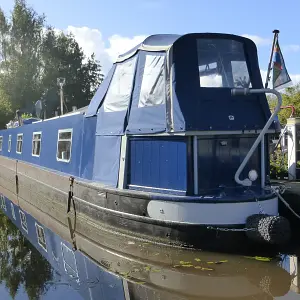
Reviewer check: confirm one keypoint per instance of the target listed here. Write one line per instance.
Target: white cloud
(259, 41)
(119, 44)
(91, 41)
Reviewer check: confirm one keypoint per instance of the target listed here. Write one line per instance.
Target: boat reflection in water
(118, 268)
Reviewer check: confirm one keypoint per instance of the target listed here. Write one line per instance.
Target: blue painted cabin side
(82, 151)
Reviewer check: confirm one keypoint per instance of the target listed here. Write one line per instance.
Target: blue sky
(108, 27)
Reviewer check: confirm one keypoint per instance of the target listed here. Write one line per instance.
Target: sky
(110, 27)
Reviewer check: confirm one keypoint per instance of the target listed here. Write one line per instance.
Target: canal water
(36, 263)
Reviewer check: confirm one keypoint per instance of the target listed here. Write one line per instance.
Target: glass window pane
(37, 136)
(36, 147)
(65, 135)
(222, 63)
(64, 150)
(153, 83)
(119, 92)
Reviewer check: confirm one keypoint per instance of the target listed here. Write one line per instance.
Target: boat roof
(187, 77)
(155, 42)
(163, 42)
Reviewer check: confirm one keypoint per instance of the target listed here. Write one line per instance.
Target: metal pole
(263, 162)
(195, 152)
(276, 32)
(61, 82)
(235, 92)
(61, 100)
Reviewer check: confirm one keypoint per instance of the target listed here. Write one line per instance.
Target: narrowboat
(173, 149)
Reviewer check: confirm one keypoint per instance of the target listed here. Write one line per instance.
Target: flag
(280, 73)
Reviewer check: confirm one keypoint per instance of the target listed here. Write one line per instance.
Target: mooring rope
(287, 205)
(277, 192)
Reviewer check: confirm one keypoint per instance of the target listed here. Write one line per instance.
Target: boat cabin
(163, 120)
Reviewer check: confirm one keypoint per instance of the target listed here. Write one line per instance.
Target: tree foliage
(21, 263)
(33, 55)
(291, 96)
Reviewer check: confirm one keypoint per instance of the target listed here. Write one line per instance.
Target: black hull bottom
(121, 212)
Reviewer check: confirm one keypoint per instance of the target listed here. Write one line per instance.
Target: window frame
(40, 140)
(13, 213)
(242, 50)
(1, 142)
(9, 143)
(63, 245)
(38, 237)
(58, 140)
(19, 134)
(3, 202)
(25, 228)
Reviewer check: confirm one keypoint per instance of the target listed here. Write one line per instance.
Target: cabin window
(153, 82)
(64, 145)
(13, 211)
(119, 91)
(1, 142)
(69, 260)
(23, 221)
(36, 143)
(222, 63)
(3, 203)
(19, 143)
(9, 143)
(40, 233)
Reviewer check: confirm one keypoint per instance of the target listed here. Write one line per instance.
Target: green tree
(6, 111)
(32, 57)
(291, 96)
(21, 263)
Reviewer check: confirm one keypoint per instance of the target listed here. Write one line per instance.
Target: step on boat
(172, 148)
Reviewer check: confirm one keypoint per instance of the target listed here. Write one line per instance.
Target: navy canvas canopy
(173, 83)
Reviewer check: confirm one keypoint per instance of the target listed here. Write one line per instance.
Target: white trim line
(37, 235)
(201, 133)
(65, 263)
(154, 188)
(123, 163)
(20, 213)
(209, 213)
(263, 162)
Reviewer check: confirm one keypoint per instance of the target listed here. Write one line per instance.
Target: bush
(278, 165)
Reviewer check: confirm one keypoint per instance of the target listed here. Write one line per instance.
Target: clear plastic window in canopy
(222, 63)
(119, 92)
(153, 82)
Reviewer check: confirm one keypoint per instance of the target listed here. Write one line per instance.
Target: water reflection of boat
(115, 269)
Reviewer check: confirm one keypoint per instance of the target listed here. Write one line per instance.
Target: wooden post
(276, 32)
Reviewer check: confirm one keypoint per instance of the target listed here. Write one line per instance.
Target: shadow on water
(128, 269)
